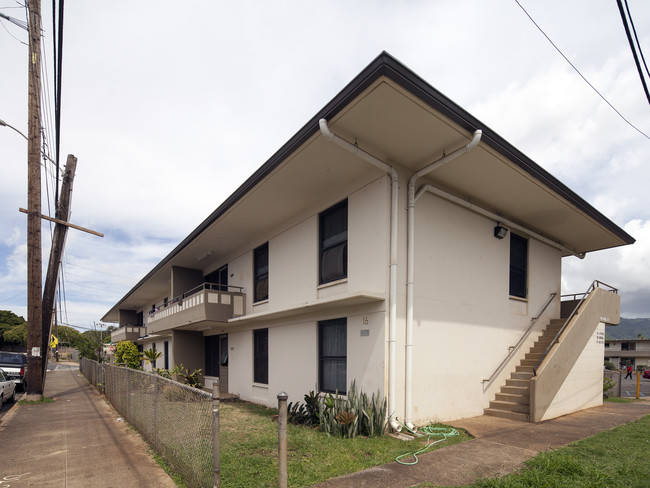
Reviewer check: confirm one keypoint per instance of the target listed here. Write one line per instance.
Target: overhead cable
(581, 75)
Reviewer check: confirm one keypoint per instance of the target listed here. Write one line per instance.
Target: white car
(7, 388)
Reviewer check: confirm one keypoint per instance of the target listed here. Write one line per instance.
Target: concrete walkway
(75, 441)
(500, 446)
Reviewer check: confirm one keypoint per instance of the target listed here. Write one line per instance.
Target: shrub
(127, 353)
(608, 384)
(348, 417)
(609, 366)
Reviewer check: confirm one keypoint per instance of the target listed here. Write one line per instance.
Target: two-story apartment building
(635, 352)
(395, 241)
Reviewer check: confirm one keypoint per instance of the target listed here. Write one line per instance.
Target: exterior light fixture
(203, 256)
(499, 231)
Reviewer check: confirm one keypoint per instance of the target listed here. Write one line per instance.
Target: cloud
(625, 268)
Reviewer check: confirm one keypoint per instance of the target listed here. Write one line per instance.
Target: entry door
(216, 359)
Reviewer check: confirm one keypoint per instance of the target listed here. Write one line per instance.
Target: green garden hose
(429, 432)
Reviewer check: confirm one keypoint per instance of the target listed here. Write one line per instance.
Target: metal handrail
(512, 349)
(595, 284)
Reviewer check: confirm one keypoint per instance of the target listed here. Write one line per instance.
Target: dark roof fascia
(388, 66)
(416, 85)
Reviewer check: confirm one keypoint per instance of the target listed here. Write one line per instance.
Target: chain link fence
(175, 419)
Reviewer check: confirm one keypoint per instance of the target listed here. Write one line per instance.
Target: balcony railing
(207, 302)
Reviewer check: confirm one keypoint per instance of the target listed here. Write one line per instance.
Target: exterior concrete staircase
(513, 401)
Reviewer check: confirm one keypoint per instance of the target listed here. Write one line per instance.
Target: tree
(9, 321)
(127, 353)
(16, 335)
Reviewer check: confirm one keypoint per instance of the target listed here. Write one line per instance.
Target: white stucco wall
(464, 317)
(293, 356)
(583, 387)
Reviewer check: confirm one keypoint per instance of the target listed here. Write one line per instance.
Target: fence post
(282, 439)
(620, 381)
(155, 412)
(128, 399)
(216, 448)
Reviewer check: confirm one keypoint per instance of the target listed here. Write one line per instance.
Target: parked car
(15, 366)
(7, 388)
(646, 374)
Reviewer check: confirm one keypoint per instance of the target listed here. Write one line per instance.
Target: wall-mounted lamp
(499, 231)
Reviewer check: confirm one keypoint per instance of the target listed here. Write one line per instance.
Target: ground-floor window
(333, 355)
(166, 354)
(261, 356)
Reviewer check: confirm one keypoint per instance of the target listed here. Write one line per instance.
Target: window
(332, 355)
(166, 354)
(261, 356)
(333, 243)
(261, 272)
(518, 266)
(153, 348)
(139, 319)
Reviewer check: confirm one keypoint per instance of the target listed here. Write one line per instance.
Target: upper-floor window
(518, 266)
(333, 243)
(261, 272)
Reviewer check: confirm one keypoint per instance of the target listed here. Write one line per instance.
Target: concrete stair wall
(513, 400)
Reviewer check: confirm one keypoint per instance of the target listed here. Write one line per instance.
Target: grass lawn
(249, 447)
(616, 458)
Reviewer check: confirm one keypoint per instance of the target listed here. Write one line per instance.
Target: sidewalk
(75, 441)
(500, 446)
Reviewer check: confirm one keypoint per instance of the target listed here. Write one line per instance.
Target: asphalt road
(628, 387)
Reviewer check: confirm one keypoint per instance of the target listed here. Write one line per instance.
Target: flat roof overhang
(396, 116)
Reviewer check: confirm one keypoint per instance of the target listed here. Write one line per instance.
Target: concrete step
(533, 355)
(522, 417)
(521, 390)
(512, 398)
(558, 322)
(521, 375)
(525, 369)
(529, 362)
(510, 406)
(537, 350)
(517, 383)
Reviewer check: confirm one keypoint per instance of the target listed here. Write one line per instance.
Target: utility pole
(34, 263)
(56, 251)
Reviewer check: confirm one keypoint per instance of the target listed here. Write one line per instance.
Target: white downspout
(392, 293)
(410, 260)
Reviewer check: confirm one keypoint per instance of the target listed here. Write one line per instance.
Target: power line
(632, 46)
(581, 75)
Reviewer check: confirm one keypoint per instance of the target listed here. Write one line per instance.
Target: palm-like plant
(150, 355)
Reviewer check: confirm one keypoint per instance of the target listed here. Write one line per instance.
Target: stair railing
(512, 349)
(595, 284)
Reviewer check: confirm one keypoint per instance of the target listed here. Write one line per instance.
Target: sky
(170, 106)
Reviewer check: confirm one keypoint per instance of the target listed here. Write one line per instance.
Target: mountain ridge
(629, 329)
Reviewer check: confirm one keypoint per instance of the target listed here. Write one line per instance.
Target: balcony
(198, 309)
(127, 333)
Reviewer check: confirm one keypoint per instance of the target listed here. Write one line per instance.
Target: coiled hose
(429, 432)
